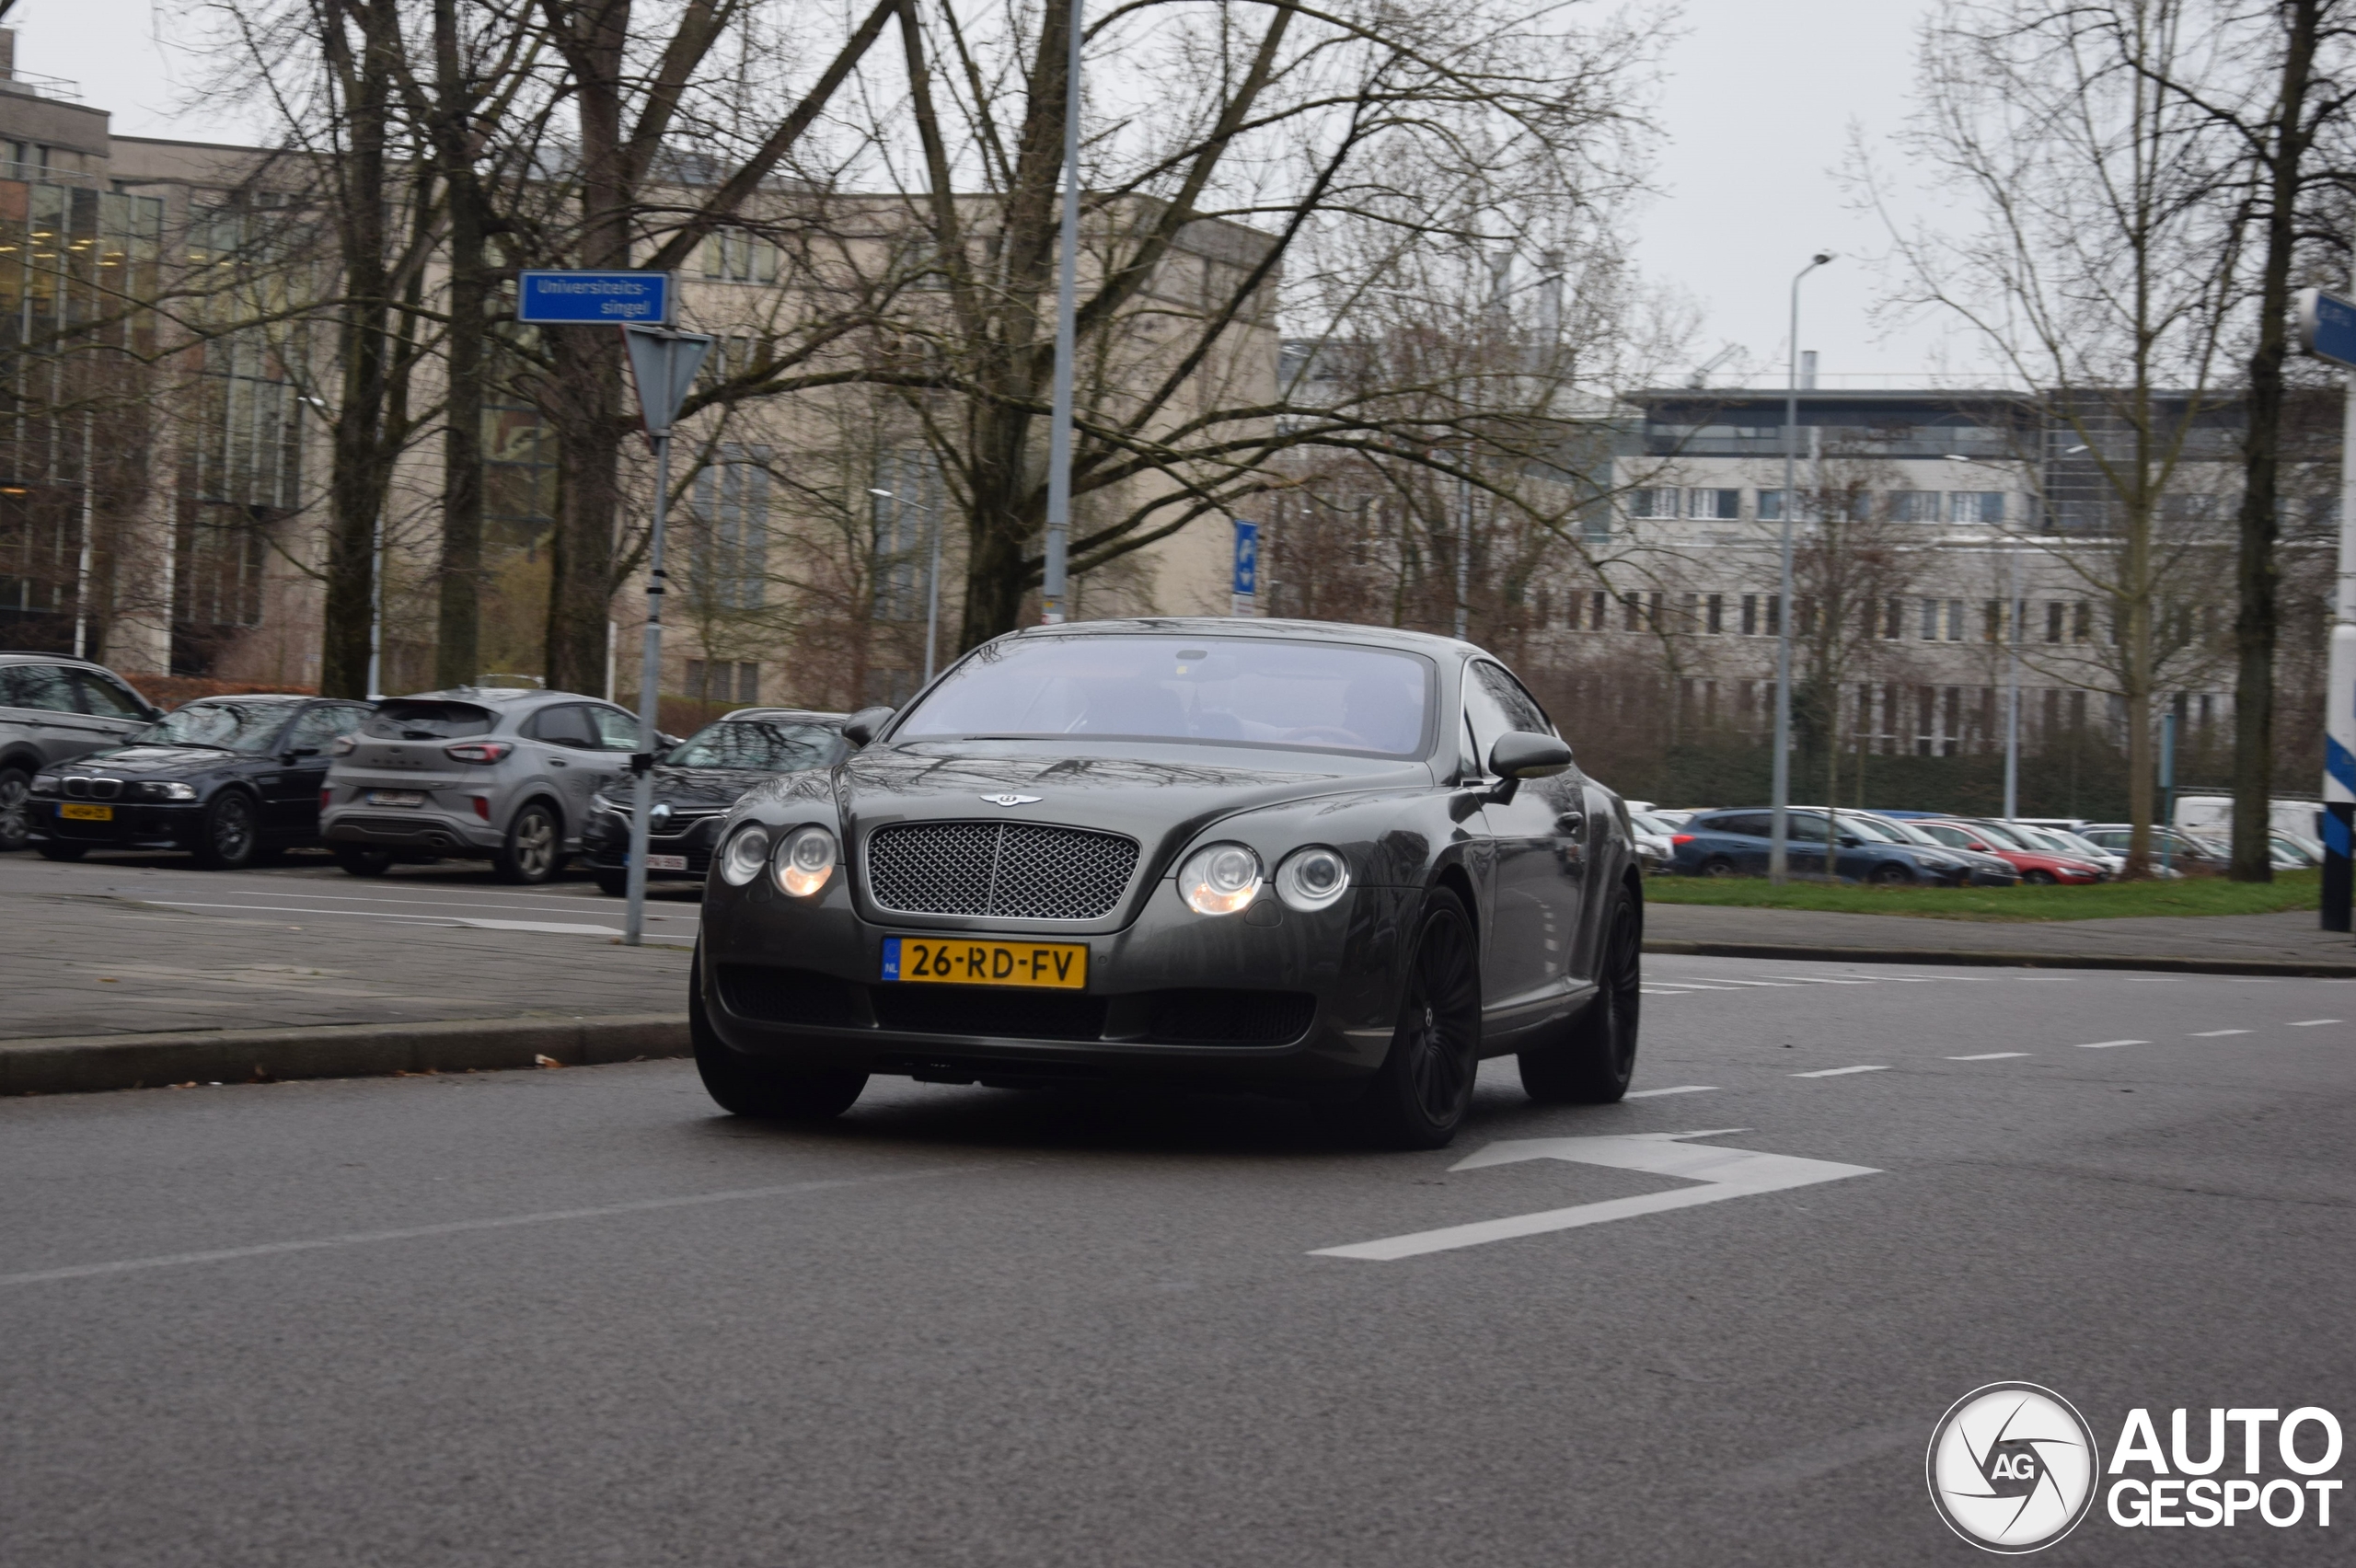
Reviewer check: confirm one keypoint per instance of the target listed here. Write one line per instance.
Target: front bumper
(1271, 998)
(136, 824)
(605, 844)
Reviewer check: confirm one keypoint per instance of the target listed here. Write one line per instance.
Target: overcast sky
(1757, 105)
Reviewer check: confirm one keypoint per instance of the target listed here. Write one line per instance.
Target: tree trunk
(458, 659)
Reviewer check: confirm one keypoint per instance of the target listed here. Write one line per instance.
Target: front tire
(16, 828)
(1592, 1059)
(229, 833)
(1717, 866)
(1890, 876)
(2041, 878)
(1420, 1093)
(534, 848)
(745, 1086)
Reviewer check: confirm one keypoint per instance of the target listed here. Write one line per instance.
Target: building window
(904, 521)
(1975, 506)
(1717, 613)
(2053, 610)
(1893, 619)
(1955, 620)
(1751, 615)
(736, 257)
(729, 558)
(1914, 506)
(2082, 621)
(1714, 503)
(1930, 620)
(519, 468)
(1596, 611)
(1653, 502)
(1771, 506)
(721, 680)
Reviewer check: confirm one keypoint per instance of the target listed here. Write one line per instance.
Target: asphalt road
(576, 1318)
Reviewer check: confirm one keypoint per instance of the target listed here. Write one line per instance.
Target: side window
(106, 699)
(40, 687)
(617, 731)
(565, 725)
(1752, 823)
(320, 725)
(1805, 829)
(1486, 717)
(1515, 700)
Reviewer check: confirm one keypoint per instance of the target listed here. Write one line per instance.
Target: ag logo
(2013, 1468)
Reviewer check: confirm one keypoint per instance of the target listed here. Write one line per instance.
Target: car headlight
(1219, 879)
(169, 792)
(746, 854)
(44, 784)
(1313, 879)
(805, 861)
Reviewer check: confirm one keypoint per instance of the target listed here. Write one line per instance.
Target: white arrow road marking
(1723, 1172)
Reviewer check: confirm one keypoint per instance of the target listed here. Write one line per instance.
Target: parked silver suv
(52, 710)
(474, 773)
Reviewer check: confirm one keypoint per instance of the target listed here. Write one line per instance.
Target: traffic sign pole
(663, 364)
(2327, 330)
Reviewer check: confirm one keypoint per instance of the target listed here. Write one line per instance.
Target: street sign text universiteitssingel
(601, 299)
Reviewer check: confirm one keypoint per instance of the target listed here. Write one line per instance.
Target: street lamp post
(1052, 587)
(1779, 844)
(931, 588)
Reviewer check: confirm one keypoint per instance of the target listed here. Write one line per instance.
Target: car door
(617, 740)
(566, 738)
(108, 707)
(38, 702)
(1539, 838)
(293, 792)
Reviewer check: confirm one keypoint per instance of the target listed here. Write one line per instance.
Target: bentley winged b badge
(1012, 800)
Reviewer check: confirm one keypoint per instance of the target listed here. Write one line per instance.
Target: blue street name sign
(606, 299)
(1247, 558)
(2328, 326)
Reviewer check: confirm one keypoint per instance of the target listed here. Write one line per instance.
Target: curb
(2276, 968)
(77, 1066)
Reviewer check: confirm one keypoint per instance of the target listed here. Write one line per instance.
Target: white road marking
(1681, 1089)
(2214, 1034)
(1661, 991)
(2106, 1044)
(2310, 1023)
(559, 928)
(1989, 1056)
(1820, 980)
(1725, 1172)
(1696, 985)
(1723, 980)
(457, 1226)
(1836, 1072)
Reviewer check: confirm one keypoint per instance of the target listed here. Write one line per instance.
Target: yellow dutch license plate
(81, 812)
(966, 961)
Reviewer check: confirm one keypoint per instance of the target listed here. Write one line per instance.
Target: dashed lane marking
(2216, 1034)
(1681, 1089)
(2106, 1044)
(1836, 1072)
(1989, 1056)
(2310, 1023)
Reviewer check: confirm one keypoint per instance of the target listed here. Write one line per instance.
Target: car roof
(837, 720)
(509, 695)
(1302, 630)
(34, 656)
(266, 697)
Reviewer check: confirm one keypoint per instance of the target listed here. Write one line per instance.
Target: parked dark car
(1980, 869)
(1326, 861)
(696, 783)
(228, 779)
(1737, 842)
(52, 710)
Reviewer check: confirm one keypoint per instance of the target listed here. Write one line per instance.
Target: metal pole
(1779, 842)
(2013, 689)
(1053, 591)
(376, 605)
(2339, 713)
(82, 569)
(650, 685)
(2168, 783)
(1463, 552)
(932, 598)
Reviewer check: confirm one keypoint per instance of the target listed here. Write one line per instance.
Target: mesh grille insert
(1013, 870)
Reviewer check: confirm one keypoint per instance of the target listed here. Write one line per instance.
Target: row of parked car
(524, 779)
(1900, 847)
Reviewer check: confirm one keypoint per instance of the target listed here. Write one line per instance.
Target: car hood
(1161, 796)
(155, 762)
(698, 789)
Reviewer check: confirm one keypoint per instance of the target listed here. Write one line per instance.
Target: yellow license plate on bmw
(80, 813)
(969, 962)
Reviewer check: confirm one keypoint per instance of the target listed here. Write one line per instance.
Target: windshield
(2077, 845)
(232, 726)
(1905, 832)
(2002, 837)
(771, 745)
(1243, 690)
(1868, 829)
(428, 722)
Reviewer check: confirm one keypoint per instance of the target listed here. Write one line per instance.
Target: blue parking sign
(1247, 558)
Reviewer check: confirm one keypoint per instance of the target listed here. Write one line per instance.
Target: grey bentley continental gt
(1339, 862)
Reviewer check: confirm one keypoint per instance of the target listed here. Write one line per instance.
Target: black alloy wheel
(1717, 866)
(747, 1086)
(16, 828)
(1419, 1095)
(229, 832)
(1889, 873)
(1592, 1059)
(535, 847)
(363, 863)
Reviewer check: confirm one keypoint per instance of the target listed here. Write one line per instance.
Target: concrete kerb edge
(2288, 969)
(87, 1064)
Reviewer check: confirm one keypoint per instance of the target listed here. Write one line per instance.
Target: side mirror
(1521, 754)
(1850, 841)
(668, 742)
(861, 726)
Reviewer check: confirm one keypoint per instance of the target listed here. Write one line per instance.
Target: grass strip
(2102, 901)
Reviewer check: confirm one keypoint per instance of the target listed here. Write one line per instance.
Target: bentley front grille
(1008, 870)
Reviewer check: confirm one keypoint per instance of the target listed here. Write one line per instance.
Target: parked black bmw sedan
(1327, 860)
(229, 778)
(696, 783)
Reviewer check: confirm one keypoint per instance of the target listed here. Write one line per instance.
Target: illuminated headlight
(805, 861)
(1313, 879)
(44, 784)
(1219, 879)
(169, 792)
(745, 854)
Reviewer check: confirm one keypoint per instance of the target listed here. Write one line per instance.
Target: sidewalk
(2230, 942)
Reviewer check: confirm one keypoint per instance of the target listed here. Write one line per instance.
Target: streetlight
(932, 587)
(1051, 585)
(2012, 661)
(1779, 844)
